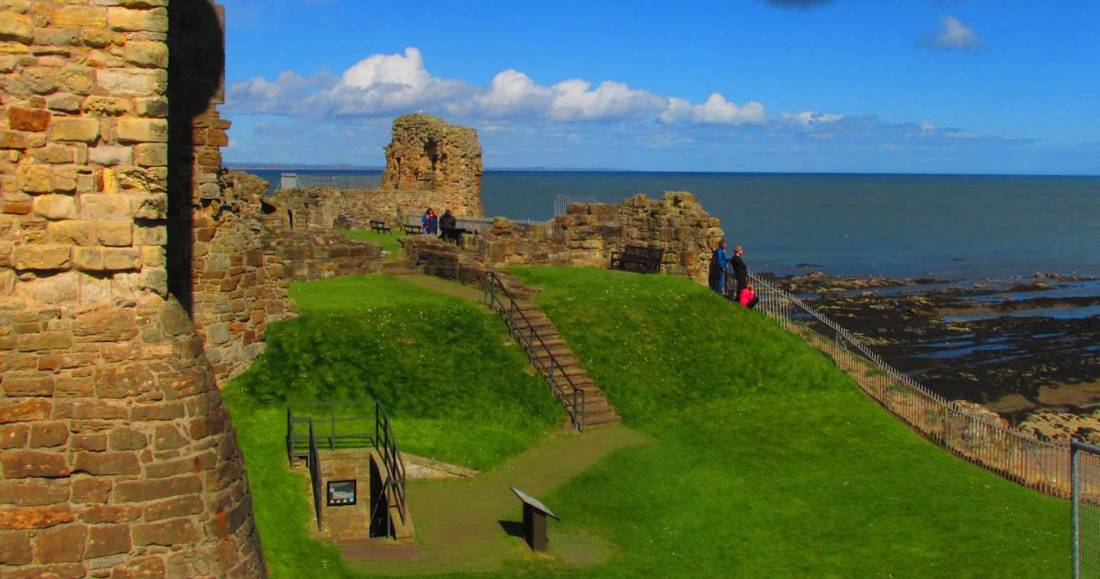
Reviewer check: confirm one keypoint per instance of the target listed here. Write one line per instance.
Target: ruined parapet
(237, 289)
(118, 457)
(589, 232)
(428, 154)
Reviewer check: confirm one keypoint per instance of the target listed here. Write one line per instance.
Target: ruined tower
(429, 154)
(117, 455)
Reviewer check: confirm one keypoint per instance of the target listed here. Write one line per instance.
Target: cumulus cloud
(716, 110)
(954, 35)
(385, 84)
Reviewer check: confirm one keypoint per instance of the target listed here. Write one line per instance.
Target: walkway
(465, 525)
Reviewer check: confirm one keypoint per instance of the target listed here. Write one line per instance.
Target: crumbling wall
(589, 233)
(429, 154)
(237, 287)
(117, 455)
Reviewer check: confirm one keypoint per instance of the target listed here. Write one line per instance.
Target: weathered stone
(107, 463)
(173, 508)
(123, 381)
(15, 547)
(34, 517)
(13, 436)
(147, 54)
(23, 410)
(91, 490)
(63, 544)
(106, 106)
(151, 155)
(28, 463)
(77, 79)
(166, 533)
(35, 178)
(167, 437)
(130, 82)
(34, 385)
(109, 156)
(121, 259)
(105, 206)
(111, 540)
(34, 492)
(74, 129)
(80, 17)
(36, 120)
(55, 206)
(65, 103)
(102, 513)
(143, 130)
(49, 434)
(127, 439)
(151, 107)
(17, 27)
(127, 20)
(148, 490)
(42, 257)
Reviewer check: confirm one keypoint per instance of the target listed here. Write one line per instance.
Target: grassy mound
(388, 241)
(456, 388)
(767, 461)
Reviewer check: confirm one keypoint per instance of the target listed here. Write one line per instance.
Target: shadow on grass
(512, 528)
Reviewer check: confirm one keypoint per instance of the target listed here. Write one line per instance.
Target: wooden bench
(638, 259)
(379, 226)
(410, 229)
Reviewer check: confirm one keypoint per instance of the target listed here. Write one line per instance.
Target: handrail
(576, 404)
(391, 457)
(1016, 455)
(315, 473)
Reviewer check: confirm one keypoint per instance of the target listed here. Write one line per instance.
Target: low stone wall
(327, 208)
(323, 255)
(586, 236)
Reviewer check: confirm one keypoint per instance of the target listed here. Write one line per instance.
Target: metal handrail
(315, 473)
(1014, 454)
(546, 367)
(391, 457)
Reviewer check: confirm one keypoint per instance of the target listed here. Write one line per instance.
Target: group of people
(446, 226)
(729, 276)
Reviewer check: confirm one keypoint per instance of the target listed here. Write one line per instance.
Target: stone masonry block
(34, 178)
(35, 120)
(143, 130)
(151, 155)
(109, 156)
(88, 258)
(17, 27)
(42, 257)
(105, 206)
(73, 232)
(129, 82)
(147, 54)
(114, 233)
(80, 17)
(129, 20)
(118, 259)
(55, 206)
(74, 129)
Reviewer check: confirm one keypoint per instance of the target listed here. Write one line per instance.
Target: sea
(958, 227)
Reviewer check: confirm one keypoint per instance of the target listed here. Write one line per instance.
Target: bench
(410, 229)
(638, 259)
(379, 226)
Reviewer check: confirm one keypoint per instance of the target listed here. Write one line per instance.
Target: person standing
(433, 222)
(718, 263)
(740, 270)
(447, 225)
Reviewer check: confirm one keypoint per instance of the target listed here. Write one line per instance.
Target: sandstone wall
(117, 455)
(429, 154)
(589, 233)
(238, 287)
(323, 208)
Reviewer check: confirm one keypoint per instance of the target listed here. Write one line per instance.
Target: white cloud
(716, 110)
(954, 35)
(388, 83)
(511, 93)
(573, 100)
(811, 118)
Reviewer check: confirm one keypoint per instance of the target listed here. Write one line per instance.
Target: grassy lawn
(766, 461)
(762, 459)
(388, 241)
(456, 388)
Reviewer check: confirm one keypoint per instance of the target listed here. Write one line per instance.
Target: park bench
(638, 259)
(410, 229)
(379, 226)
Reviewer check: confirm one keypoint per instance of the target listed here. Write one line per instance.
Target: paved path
(459, 522)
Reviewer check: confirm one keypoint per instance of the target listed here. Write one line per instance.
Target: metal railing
(562, 202)
(1085, 510)
(499, 299)
(391, 461)
(1038, 464)
(333, 180)
(315, 473)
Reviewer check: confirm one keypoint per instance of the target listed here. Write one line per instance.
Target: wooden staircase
(550, 354)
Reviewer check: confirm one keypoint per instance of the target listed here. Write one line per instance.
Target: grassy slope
(766, 460)
(457, 389)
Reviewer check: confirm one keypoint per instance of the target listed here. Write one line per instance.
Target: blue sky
(759, 85)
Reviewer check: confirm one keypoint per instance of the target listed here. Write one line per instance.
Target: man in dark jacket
(447, 225)
(718, 262)
(740, 270)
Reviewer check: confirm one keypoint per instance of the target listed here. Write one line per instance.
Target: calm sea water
(959, 227)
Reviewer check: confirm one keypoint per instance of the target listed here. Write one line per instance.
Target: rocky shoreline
(1027, 349)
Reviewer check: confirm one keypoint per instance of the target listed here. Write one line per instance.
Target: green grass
(388, 241)
(456, 388)
(766, 461)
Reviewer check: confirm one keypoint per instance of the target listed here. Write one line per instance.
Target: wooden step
(601, 418)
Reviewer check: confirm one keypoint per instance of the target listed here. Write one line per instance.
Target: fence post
(1076, 516)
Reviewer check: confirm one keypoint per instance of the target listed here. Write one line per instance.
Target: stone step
(598, 418)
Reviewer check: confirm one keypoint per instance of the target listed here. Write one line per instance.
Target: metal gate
(1086, 509)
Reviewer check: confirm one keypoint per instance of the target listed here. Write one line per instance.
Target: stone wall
(117, 455)
(429, 154)
(589, 233)
(238, 285)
